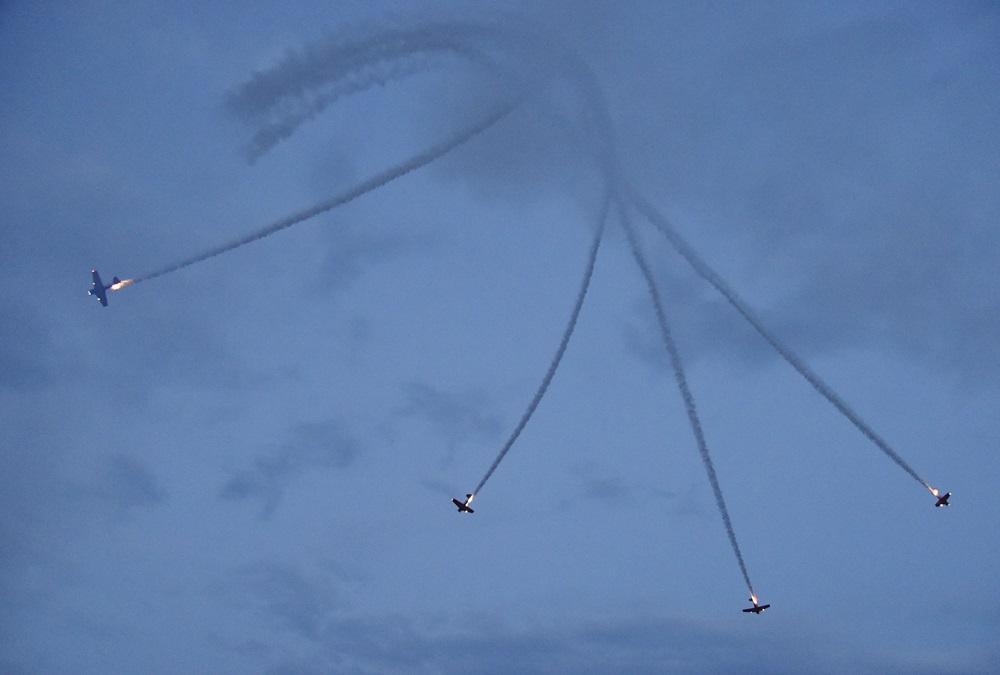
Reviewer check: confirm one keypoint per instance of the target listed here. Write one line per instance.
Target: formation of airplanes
(100, 291)
(463, 507)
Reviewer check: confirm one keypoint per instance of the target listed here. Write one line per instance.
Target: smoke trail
(373, 183)
(269, 134)
(563, 344)
(707, 273)
(337, 58)
(306, 81)
(294, 91)
(682, 384)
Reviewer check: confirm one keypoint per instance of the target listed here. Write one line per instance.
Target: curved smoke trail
(708, 274)
(308, 80)
(563, 344)
(304, 83)
(295, 114)
(373, 183)
(682, 384)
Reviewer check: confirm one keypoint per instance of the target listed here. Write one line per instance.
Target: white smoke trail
(363, 188)
(682, 384)
(563, 344)
(707, 273)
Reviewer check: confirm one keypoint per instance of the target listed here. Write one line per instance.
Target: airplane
(464, 506)
(756, 609)
(100, 290)
(943, 501)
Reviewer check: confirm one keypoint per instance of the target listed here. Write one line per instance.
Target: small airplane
(100, 291)
(464, 506)
(943, 500)
(756, 609)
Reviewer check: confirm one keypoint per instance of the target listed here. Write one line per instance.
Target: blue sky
(245, 465)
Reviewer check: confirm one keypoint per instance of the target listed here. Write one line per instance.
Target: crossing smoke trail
(305, 83)
(373, 183)
(682, 384)
(701, 267)
(563, 344)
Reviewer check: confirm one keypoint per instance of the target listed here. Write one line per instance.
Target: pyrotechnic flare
(121, 284)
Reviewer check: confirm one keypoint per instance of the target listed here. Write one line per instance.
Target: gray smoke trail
(269, 134)
(306, 81)
(563, 344)
(363, 53)
(707, 273)
(682, 384)
(373, 183)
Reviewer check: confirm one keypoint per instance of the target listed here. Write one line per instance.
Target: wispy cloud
(311, 446)
(455, 417)
(125, 483)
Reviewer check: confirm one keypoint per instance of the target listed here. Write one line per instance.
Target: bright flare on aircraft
(121, 284)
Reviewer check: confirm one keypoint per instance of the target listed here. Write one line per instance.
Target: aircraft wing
(461, 506)
(98, 290)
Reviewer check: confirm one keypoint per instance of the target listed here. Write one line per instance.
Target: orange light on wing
(121, 284)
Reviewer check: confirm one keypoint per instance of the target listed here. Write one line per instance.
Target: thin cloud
(125, 483)
(312, 446)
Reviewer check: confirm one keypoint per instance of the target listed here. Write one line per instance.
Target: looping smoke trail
(682, 384)
(351, 54)
(707, 273)
(373, 183)
(306, 108)
(306, 81)
(563, 344)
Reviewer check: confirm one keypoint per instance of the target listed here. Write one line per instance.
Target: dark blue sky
(245, 465)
